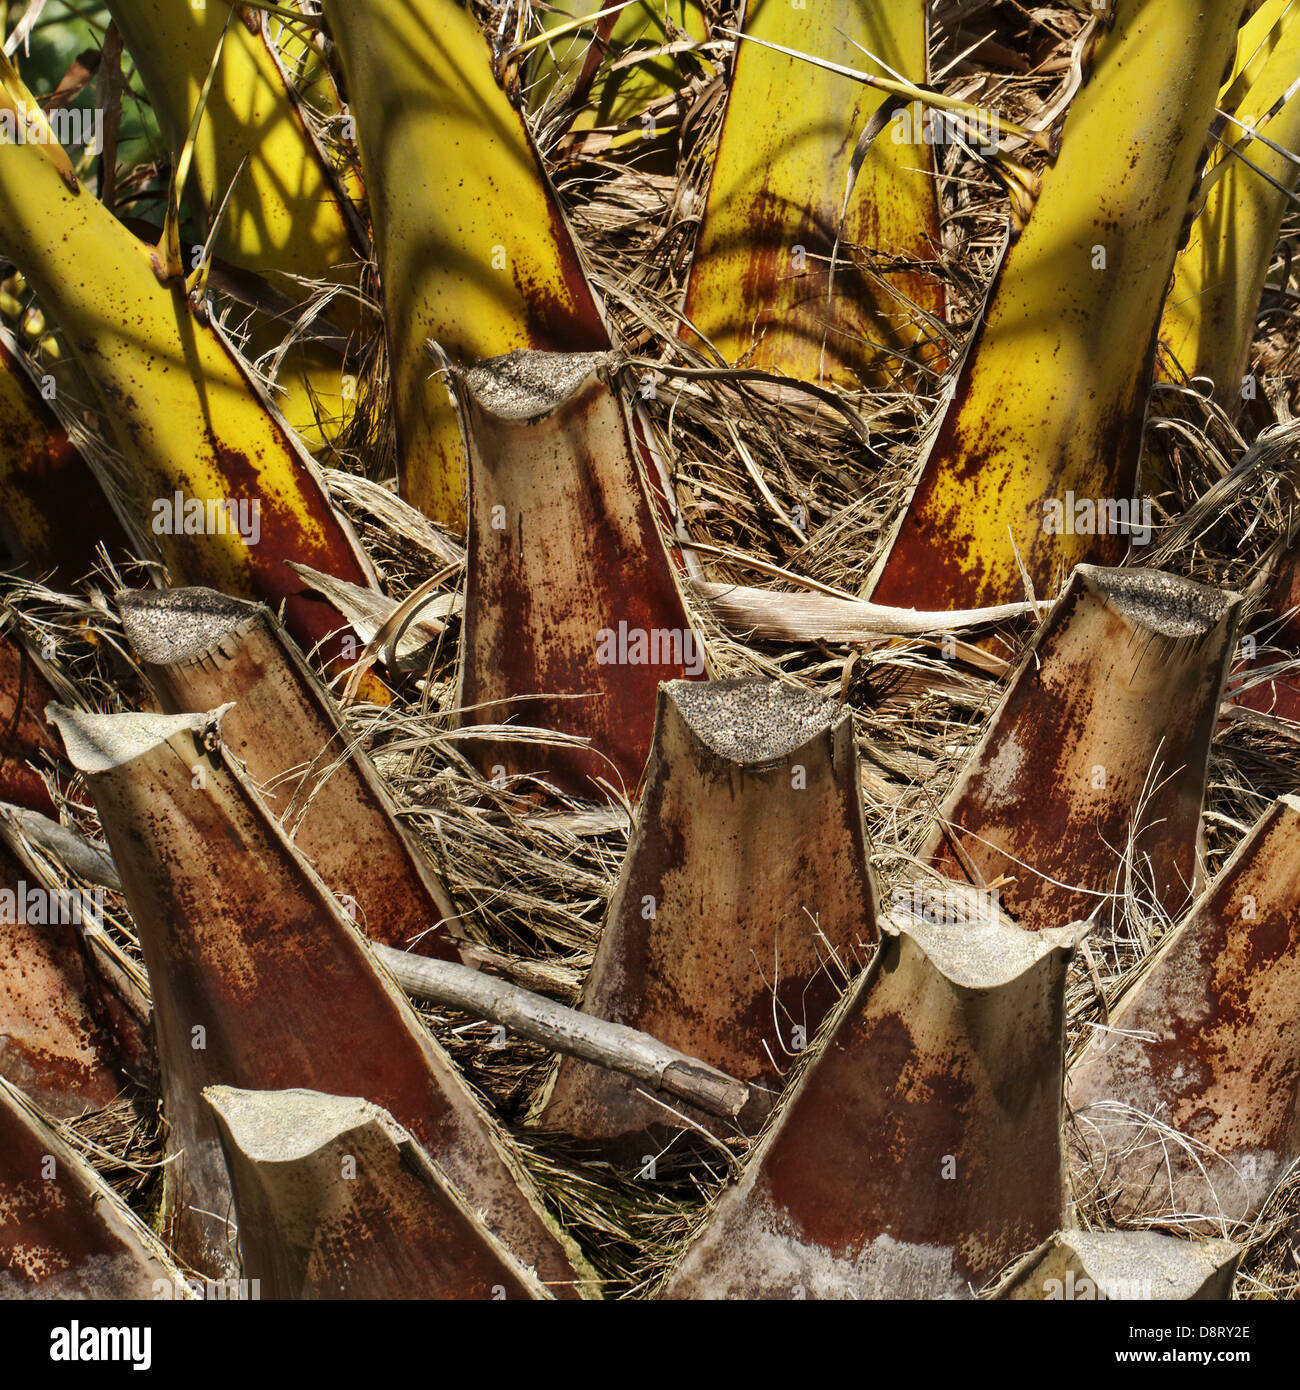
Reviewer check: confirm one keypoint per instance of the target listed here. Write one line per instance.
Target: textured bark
(201, 649)
(563, 557)
(64, 1234)
(260, 981)
(1130, 1265)
(921, 1150)
(1206, 1042)
(745, 902)
(1103, 735)
(335, 1200)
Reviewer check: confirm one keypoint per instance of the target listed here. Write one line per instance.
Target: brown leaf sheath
(1103, 734)
(745, 904)
(201, 650)
(921, 1150)
(260, 981)
(564, 556)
